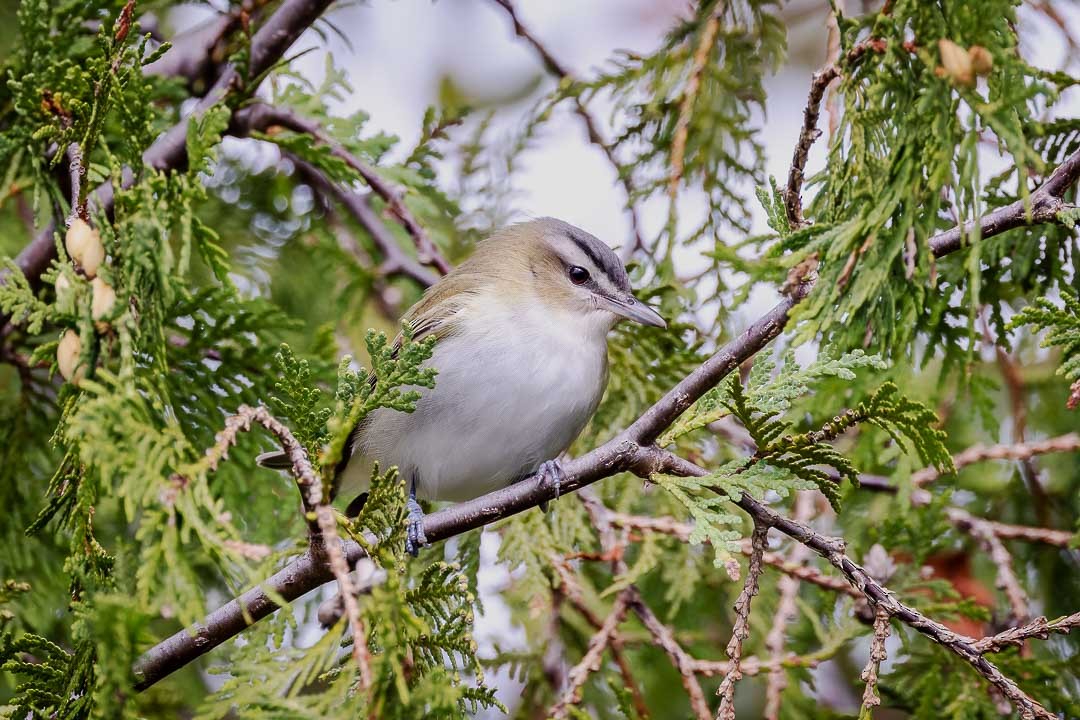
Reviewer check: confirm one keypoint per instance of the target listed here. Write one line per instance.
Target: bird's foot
(414, 533)
(552, 473)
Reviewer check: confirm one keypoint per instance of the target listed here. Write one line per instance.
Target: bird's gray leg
(551, 472)
(414, 534)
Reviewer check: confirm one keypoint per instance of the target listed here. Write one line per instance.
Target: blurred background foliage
(116, 533)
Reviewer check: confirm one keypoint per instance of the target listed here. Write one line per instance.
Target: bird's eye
(578, 275)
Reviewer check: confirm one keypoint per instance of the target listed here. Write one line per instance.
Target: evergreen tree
(899, 498)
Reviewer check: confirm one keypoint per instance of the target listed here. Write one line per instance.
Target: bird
(521, 363)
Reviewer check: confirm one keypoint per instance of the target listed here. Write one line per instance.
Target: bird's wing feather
(434, 315)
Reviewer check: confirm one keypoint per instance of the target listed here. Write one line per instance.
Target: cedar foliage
(235, 287)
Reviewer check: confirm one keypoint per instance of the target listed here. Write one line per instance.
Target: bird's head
(565, 270)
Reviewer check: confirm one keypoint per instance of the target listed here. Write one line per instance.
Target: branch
(601, 517)
(592, 127)
(590, 663)
(395, 260)
(810, 133)
(786, 611)
(1006, 575)
(741, 629)
(681, 530)
(1043, 206)
(1016, 451)
(1037, 628)
(682, 661)
(325, 544)
(265, 116)
(571, 590)
(76, 173)
(869, 675)
(322, 523)
(193, 52)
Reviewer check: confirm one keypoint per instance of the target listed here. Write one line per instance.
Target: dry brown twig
(1040, 627)
(689, 97)
(1007, 580)
(680, 659)
(571, 590)
(322, 523)
(592, 127)
(810, 133)
(266, 117)
(741, 629)
(590, 662)
(601, 517)
(1014, 451)
(878, 654)
(786, 611)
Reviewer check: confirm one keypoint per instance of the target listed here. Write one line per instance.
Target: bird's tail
(279, 460)
(275, 460)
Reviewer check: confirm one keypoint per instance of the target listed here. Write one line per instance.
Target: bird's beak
(632, 309)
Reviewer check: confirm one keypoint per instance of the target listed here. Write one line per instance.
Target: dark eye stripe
(589, 250)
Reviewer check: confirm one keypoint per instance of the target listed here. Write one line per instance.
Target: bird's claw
(551, 472)
(414, 533)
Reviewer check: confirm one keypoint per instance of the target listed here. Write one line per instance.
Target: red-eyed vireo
(521, 353)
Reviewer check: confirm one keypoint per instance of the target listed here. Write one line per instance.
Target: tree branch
(810, 133)
(869, 675)
(1015, 451)
(322, 523)
(1043, 206)
(264, 116)
(260, 117)
(741, 629)
(590, 663)
(592, 127)
(786, 611)
(1037, 628)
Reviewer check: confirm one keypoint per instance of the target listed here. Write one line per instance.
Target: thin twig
(1005, 531)
(266, 116)
(600, 515)
(810, 132)
(878, 655)
(1015, 451)
(592, 127)
(689, 96)
(590, 662)
(1007, 580)
(805, 573)
(1037, 628)
(571, 590)
(395, 261)
(322, 522)
(741, 628)
(307, 480)
(682, 661)
(786, 611)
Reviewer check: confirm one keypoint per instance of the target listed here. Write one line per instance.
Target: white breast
(504, 401)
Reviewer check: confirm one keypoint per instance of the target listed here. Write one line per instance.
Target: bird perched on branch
(521, 353)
